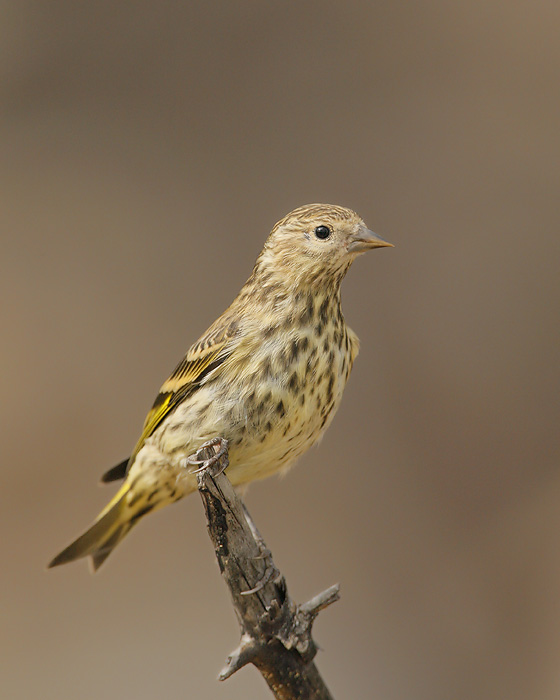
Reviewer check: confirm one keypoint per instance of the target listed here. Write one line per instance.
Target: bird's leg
(206, 457)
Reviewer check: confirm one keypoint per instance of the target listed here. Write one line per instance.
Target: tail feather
(103, 536)
(99, 556)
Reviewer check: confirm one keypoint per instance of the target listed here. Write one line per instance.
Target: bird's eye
(322, 232)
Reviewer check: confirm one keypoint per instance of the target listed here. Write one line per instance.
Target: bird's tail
(107, 531)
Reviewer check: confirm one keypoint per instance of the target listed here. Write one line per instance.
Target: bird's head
(317, 241)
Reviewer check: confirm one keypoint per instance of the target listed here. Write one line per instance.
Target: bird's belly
(269, 423)
(295, 421)
(256, 458)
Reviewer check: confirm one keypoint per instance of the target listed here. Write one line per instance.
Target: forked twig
(275, 632)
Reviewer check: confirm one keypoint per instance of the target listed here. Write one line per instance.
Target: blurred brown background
(144, 144)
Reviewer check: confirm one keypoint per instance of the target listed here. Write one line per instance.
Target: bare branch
(275, 632)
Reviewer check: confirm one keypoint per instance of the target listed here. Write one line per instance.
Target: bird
(268, 376)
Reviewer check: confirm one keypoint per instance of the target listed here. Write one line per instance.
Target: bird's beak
(364, 239)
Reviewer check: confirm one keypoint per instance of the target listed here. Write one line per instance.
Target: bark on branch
(275, 632)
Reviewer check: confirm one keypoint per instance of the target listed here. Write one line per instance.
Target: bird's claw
(216, 458)
(271, 572)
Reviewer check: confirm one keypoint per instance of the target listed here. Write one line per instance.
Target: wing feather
(203, 358)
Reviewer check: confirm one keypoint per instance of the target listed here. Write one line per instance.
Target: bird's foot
(271, 573)
(207, 457)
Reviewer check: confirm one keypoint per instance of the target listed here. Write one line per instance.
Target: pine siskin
(268, 375)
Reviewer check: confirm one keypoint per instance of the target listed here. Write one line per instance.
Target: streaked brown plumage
(268, 375)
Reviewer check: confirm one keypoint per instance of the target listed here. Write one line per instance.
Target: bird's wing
(203, 357)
